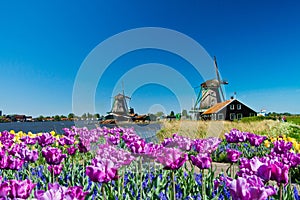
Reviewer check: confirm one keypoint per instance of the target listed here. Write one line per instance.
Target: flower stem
(141, 177)
(174, 186)
(103, 191)
(280, 191)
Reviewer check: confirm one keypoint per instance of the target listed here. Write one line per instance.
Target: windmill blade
(222, 93)
(217, 70)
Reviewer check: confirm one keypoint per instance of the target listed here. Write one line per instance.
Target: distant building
(228, 110)
(0, 113)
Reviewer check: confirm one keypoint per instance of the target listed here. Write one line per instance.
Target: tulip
(71, 150)
(233, 155)
(54, 192)
(45, 139)
(235, 136)
(55, 169)
(255, 140)
(202, 161)
(281, 147)
(53, 156)
(4, 189)
(171, 158)
(103, 172)
(75, 192)
(20, 189)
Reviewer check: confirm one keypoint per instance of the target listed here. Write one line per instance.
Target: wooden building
(228, 110)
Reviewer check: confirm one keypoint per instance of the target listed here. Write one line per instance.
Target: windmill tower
(120, 105)
(210, 93)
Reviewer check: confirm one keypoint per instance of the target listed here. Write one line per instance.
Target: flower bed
(118, 164)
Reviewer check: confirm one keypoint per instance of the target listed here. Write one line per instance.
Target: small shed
(228, 110)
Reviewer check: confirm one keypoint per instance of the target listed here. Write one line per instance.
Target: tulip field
(117, 163)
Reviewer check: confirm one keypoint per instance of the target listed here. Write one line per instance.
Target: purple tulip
(103, 172)
(233, 155)
(55, 169)
(281, 147)
(202, 161)
(119, 157)
(4, 189)
(20, 189)
(45, 139)
(29, 140)
(171, 158)
(31, 156)
(14, 163)
(235, 136)
(207, 145)
(75, 192)
(255, 140)
(66, 141)
(265, 172)
(53, 156)
(84, 145)
(71, 150)
(279, 172)
(113, 139)
(54, 192)
(137, 147)
(249, 188)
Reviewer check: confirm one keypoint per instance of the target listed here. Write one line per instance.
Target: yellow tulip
(12, 132)
(53, 133)
(267, 143)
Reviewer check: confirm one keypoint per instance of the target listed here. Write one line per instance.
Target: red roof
(217, 107)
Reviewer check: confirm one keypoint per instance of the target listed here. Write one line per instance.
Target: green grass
(293, 119)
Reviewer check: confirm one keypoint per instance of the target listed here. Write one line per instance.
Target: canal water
(146, 131)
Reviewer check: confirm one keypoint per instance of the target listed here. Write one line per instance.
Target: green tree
(172, 114)
(41, 118)
(71, 116)
(159, 114)
(57, 118)
(97, 115)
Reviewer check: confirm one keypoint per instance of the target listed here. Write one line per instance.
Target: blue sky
(44, 43)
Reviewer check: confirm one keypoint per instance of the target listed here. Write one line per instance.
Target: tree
(184, 113)
(172, 114)
(159, 114)
(97, 115)
(41, 118)
(57, 118)
(71, 116)
(84, 116)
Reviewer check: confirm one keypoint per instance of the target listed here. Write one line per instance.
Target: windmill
(119, 106)
(210, 93)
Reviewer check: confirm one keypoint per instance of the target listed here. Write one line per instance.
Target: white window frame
(239, 106)
(220, 116)
(232, 116)
(239, 116)
(231, 106)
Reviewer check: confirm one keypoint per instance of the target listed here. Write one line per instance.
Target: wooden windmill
(210, 93)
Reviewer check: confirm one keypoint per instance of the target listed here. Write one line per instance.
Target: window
(239, 106)
(214, 116)
(232, 116)
(220, 116)
(232, 107)
(239, 116)
(251, 114)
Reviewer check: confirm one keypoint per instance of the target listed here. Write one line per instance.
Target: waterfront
(147, 131)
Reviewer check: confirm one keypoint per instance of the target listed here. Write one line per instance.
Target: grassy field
(201, 129)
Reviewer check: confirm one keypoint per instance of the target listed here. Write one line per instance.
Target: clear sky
(44, 43)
